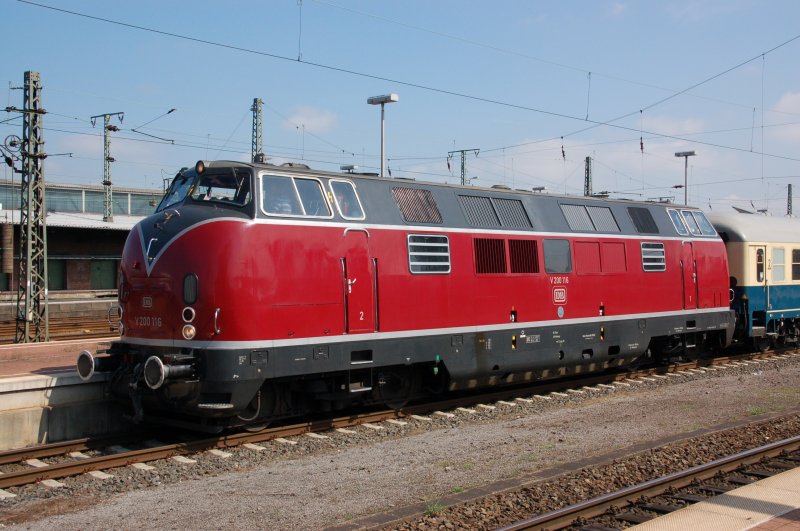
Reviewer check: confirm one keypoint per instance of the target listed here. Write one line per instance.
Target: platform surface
(45, 358)
(769, 504)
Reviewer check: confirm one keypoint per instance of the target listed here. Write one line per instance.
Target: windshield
(177, 191)
(231, 186)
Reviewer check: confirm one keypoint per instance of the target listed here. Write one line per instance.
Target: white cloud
(617, 8)
(788, 103)
(667, 125)
(315, 120)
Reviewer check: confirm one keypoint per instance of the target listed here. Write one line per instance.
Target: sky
(528, 88)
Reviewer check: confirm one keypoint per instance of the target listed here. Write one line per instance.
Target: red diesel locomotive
(258, 292)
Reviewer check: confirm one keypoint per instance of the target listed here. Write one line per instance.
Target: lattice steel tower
(587, 178)
(463, 152)
(256, 148)
(108, 191)
(32, 311)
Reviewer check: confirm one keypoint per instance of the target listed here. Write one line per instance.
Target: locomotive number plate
(147, 321)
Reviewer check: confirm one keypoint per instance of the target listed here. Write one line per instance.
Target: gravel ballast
(346, 478)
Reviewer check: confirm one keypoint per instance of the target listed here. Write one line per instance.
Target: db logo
(147, 302)
(559, 295)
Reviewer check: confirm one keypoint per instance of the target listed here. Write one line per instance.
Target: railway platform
(43, 400)
(770, 504)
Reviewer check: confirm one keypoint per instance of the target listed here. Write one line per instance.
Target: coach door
(358, 271)
(758, 261)
(689, 270)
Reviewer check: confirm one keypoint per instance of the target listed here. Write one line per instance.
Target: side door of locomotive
(358, 269)
(689, 274)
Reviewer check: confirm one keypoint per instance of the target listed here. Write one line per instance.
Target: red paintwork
(286, 282)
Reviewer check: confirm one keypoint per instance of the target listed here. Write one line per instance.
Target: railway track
(648, 500)
(65, 328)
(69, 458)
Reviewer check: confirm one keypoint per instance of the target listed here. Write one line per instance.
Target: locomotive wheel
(398, 386)
(762, 344)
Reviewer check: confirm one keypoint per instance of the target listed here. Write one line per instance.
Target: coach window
(346, 199)
(778, 264)
(795, 264)
(677, 222)
(760, 265)
(557, 258)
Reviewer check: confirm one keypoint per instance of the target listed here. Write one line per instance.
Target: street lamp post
(383, 100)
(685, 155)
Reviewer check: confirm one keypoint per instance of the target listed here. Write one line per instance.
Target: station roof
(76, 220)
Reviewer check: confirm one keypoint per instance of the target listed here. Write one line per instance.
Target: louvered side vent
(643, 220)
(479, 211)
(512, 213)
(490, 255)
(523, 256)
(417, 205)
(428, 253)
(653, 257)
(577, 218)
(603, 219)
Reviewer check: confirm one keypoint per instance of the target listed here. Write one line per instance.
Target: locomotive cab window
(705, 226)
(698, 223)
(228, 187)
(293, 197)
(677, 222)
(177, 192)
(347, 202)
(694, 228)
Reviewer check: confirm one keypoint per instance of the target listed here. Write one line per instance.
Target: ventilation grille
(590, 218)
(494, 212)
(490, 256)
(577, 217)
(417, 205)
(653, 257)
(479, 211)
(512, 213)
(524, 256)
(603, 219)
(428, 254)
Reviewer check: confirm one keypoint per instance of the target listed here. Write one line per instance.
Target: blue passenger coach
(764, 262)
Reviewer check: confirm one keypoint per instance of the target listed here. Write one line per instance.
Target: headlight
(188, 331)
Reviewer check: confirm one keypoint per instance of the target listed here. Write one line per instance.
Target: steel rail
(60, 448)
(598, 506)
